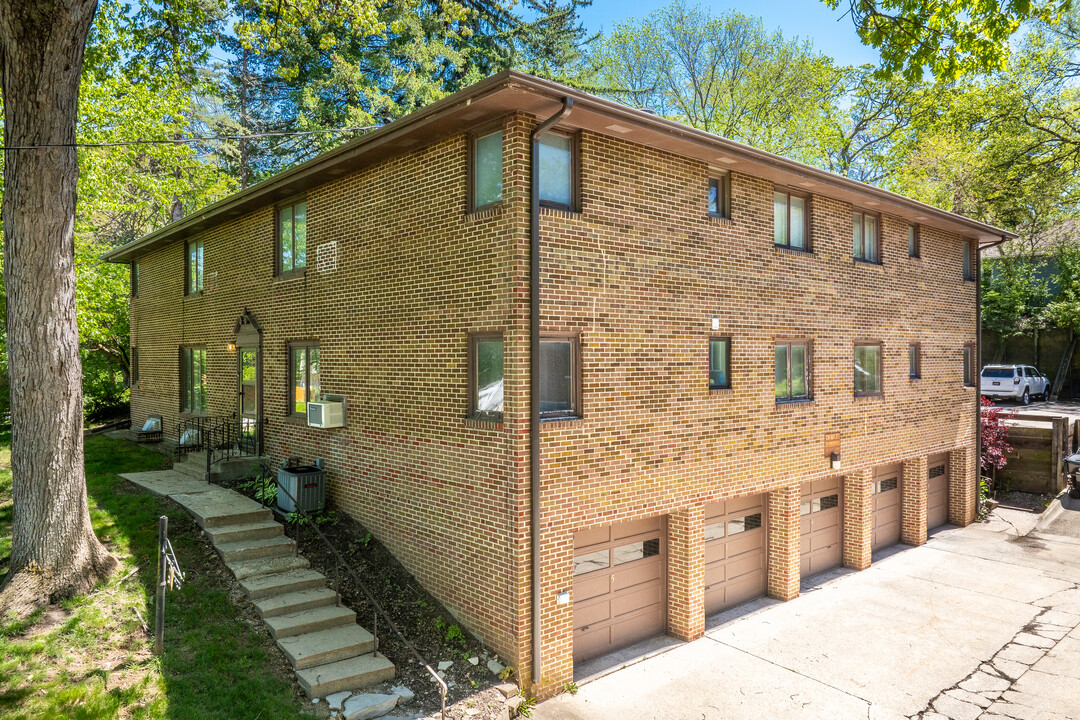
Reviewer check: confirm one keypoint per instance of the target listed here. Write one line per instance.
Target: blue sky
(831, 32)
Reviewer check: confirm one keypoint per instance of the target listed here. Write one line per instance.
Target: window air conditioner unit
(326, 414)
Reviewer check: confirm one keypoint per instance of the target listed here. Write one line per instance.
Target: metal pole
(159, 609)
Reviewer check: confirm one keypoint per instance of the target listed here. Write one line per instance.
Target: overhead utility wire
(182, 141)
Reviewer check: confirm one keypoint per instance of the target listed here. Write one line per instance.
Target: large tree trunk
(54, 552)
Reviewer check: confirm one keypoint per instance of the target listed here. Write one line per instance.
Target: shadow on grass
(217, 662)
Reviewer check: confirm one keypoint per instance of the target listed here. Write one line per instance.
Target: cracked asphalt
(981, 622)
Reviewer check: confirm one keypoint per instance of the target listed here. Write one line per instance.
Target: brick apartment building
(749, 370)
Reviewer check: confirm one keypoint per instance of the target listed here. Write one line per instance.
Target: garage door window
(637, 551)
(881, 486)
(591, 561)
(714, 531)
(818, 504)
(936, 471)
(750, 522)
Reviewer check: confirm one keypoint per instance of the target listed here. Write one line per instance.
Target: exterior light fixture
(834, 460)
(231, 347)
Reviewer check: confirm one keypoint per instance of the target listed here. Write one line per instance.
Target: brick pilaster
(913, 502)
(783, 534)
(686, 573)
(961, 486)
(858, 518)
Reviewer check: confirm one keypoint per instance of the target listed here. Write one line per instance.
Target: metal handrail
(266, 476)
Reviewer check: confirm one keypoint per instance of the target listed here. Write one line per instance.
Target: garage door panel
(734, 552)
(821, 526)
(744, 543)
(885, 507)
(635, 527)
(637, 627)
(589, 614)
(634, 600)
(645, 573)
(620, 588)
(937, 491)
(715, 552)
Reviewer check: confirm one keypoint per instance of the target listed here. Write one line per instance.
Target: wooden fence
(1039, 443)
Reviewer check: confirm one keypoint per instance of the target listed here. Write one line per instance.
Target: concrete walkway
(982, 622)
(320, 638)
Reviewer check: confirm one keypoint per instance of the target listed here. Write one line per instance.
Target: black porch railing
(220, 438)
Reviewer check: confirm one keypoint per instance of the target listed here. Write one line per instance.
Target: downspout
(534, 377)
(977, 378)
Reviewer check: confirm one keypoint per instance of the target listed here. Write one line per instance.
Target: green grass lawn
(90, 657)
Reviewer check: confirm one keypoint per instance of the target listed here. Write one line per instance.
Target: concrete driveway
(982, 622)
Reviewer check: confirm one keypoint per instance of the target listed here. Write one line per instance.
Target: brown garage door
(821, 526)
(886, 504)
(937, 491)
(734, 552)
(620, 587)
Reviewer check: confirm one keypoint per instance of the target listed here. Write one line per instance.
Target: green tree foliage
(949, 39)
(724, 74)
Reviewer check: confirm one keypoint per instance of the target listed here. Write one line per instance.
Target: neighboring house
(750, 370)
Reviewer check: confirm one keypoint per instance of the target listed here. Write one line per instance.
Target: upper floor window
(913, 241)
(864, 237)
(790, 220)
(304, 373)
(486, 376)
(867, 369)
(792, 370)
(560, 377)
(720, 196)
(914, 361)
(719, 363)
(485, 163)
(193, 268)
(134, 279)
(193, 379)
(969, 260)
(292, 237)
(969, 365)
(558, 171)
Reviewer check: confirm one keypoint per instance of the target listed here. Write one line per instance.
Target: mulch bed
(419, 616)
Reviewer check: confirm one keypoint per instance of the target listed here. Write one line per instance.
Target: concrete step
(326, 646)
(351, 674)
(259, 549)
(191, 469)
(293, 602)
(309, 621)
(217, 507)
(268, 566)
(263, 586)
(246, 531)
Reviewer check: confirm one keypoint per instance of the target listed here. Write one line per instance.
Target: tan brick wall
(962, 479)
(913, 501)
(414, 275)
(686, 573)
(783, 542)
(639, 274)
(858, 518)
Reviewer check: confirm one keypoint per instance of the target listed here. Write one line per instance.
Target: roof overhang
(513, 91)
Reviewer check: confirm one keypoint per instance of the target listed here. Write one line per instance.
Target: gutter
(534, 378)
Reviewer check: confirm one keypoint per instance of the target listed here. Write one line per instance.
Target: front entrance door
(248, 380)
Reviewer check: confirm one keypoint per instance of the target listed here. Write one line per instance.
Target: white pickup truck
(1014, 382)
